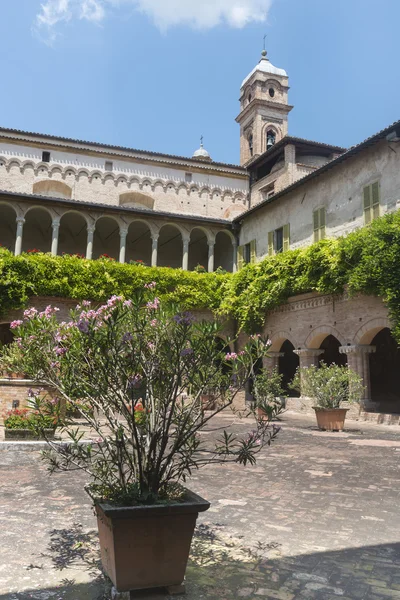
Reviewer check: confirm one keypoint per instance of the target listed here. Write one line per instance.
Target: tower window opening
(271, 138)
(249, 98)
(251, 144)
(271, 92)
(46, 157)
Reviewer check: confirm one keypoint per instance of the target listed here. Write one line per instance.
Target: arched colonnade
(126, 239)
(373, 354)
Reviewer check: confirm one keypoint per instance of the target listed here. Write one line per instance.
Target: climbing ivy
(366, 261)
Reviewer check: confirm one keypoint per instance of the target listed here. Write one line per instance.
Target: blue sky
(156, 74)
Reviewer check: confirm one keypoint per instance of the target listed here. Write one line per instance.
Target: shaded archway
(170, 248)
(138, 243)
(331, 355)
(37, 232)
(8, 227)
(72, 236)
(223, 252)
(287, 365)
(106, 238)
(198, 249)
(385, 372)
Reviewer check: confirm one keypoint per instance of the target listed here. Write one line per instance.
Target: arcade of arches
(144, 241)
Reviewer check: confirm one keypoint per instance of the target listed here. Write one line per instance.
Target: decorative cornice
(279, 106)
(307, 303)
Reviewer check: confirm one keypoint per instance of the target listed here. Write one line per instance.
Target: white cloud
(198, 14)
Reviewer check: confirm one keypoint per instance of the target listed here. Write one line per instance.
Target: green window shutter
(270, 243)
(253, 251)
(286, 237)
(240, 257)
(375, 199)
(322, 222)
(316, 225)
(367, 205)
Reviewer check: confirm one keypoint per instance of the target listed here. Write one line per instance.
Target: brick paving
(316, 518)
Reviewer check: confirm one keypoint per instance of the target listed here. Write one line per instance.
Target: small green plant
(22, 418)
(268, 392)
(200, 269)
(328, 385)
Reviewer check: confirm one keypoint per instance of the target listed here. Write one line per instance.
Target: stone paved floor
(316, 518)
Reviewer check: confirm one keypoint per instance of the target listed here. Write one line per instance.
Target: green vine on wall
(366, 261)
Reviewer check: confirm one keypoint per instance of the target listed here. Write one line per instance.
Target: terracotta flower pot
(147, 546)
(330, 419)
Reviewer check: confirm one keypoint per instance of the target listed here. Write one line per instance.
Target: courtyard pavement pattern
(317, 518)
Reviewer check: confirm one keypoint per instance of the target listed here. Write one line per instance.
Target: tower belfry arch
(264, 109)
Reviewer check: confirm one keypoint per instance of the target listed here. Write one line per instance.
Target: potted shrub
(329, 386)
(268, 393)
(139, 370)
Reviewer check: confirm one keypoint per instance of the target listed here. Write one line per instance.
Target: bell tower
(264, 109)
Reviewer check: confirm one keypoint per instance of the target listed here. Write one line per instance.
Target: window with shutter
(253, 251)
(371, 202)
(319, 220)
(270, 243)
(286, 237)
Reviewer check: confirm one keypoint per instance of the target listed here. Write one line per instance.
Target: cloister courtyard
(316, 518)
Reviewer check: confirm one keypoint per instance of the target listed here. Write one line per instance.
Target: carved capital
(357, 349)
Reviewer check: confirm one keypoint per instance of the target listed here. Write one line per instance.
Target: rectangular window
(319, 222)
(108, 165)
(246, 254)
(188, 177)
(45, 156)
(279, 240)
(371, 201)
(268, 191)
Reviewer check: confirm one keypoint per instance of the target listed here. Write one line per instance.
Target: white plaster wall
(340, 190)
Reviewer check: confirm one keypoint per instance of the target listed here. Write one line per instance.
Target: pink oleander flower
(153, 322)
(127, 303)
(150, 286)
(30, 313)
(15, 324)
(231, 356)
(61, 351)
(153, 305)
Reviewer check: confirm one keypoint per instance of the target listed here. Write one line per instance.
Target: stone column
(234, 262)
(358, 361)
(54, 238)
(211, 256)
(271, 362)
(185, 257)
(89, 245)
(122, 244)
(18, 237)
(154, 250)
(308, 357)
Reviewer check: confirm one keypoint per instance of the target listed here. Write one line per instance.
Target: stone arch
(72, 235)
(204, 192)
(216, 193)
(369, 330)
(170, 246)
(3, 161)
(198, 248)
(384, 367)
(83, 173)
(8, 226)
(121, 179)
(233, 211)
(331, 351)
(37, 232)
(27, 164)
(13, 162)
(69, 172)
(96, 176)
(42, 168)
(170, 186)
(278, 338)
(52, 188)
(106, 238)
(317, 336)
(270, 127)
(109, 177)
(55, 169)
(136, 199)
(223, 250)
(139, 242)
(288, 363)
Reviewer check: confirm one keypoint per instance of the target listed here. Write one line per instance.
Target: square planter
(330, 419)
(147, 546)
(26, 434)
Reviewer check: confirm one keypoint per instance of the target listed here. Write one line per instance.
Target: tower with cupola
(264, 109)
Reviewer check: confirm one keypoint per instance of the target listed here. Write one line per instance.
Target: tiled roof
(330, 165)
(146, 154)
